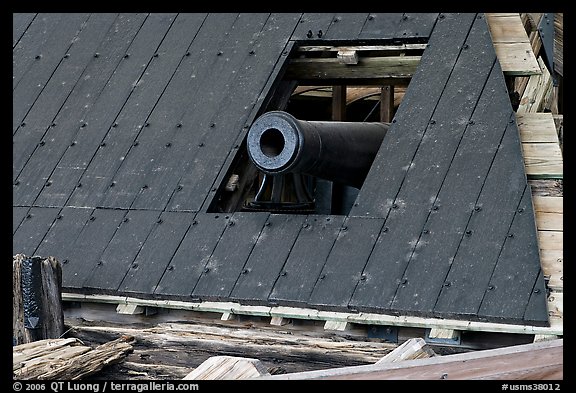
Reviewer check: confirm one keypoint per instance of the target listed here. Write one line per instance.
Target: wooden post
(36, 299)
(387, 104)
(339, 103)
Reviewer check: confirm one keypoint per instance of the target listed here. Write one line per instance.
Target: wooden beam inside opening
(387, 104)
(339, 103)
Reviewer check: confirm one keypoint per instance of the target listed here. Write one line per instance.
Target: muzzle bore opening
(272, 142)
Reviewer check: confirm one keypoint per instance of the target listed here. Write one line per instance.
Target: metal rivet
(363, 277)
(28, 216)
(112, 184)
(320, 33)
(385, 229)
(432, 121)
(179, 188)
(231, 223)
(309, 34)
(67, 55)
(73, 143)
(126, 219)
(336, 20)
(17, 182)
(425, 231)
(99, 263)
(103, 144)
(115, 125)
(393, 120)
(370, 17)
(404, 17)
(214, 189)
(42, 143)
(267, 224)
(537, 290)
(187, 54)
(447, 283)
(444, 376)
(48, 183)
(471, 122)
(394, 206)
(466, 46)
(468, 232)
(79, 185)
(146, 124)
(212, 125)
(511, 121)
(245, 271)
(344, 228)
(179, 125)
(23, 124)
(83, 125)
(53, 125)
(435, 207)
(92, 218)
(236, 146)
(170, 267)
(404, 281)
(441, 16)
(134, 265)
(127, 55)
(306, 225)
(322, 277)
(252, 52)
(136, 143)
(65, 261)
(168, 144)
(145, 186)
(155, 55)
(510, 235)
(490, 287)
(219, 53)
(38, 57)
(216, 216)
(96, 54)
(159, 221)
(521, 210)
(477, 208)
(194, 222)
(201, 144)
(284, 273)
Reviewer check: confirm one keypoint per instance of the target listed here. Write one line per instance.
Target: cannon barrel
(343, 152)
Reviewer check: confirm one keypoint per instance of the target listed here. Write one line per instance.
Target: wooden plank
(517, 59)
(387, 104)
(266, 261)
(381, 25)
(543, 160)
(120, 253)
(217, 74)
(18, 214)
(312, 22)
(156, 252)
(442, 230)
(69, 120)
(32, 230)
(416, 25)
(388, 169)
(229, 257)
(127, 104)
(507, 28)
(414, 348)
(552, 262)
(508, 280)
(192, 255)
(549, 213)
(37, 107)
(227, 368)
(306, 260)
(345, 26)
(20, 23)
(413, 201)
(84, 254)
(102, 107)
(536, 128)
(535, 361)
(471, 268)
(236, 111)
(536, 311)
(59, 240)
(31, 46)
(391, 67)
(537, 90)
(344, 267)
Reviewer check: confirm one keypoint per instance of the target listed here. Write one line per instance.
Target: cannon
(342, 152)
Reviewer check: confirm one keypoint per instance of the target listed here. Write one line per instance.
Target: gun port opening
(272, 142)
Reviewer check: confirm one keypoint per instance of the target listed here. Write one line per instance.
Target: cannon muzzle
(343, 152)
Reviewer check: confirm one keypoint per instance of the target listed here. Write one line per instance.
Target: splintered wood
(66, 358)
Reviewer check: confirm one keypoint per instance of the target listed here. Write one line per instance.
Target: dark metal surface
(278, 143)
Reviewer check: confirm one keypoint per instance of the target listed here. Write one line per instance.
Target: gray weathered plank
(537, 305)
(18, 214)
(346, 26)
(156, 253)
(343, 269)
(227, 261)
(310, 24)
(381, 26)
(265, 264)
(416, 25)
(32, 230)
(306, 260)
(20, 23)
(119, 254)
(192, 255)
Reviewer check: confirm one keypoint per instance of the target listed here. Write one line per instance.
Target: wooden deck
(117, 159)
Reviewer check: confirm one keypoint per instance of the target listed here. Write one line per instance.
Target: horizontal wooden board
(517, 59)
(507, 28)
(543, 160)
(537, 127)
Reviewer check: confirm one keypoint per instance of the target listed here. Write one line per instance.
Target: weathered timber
(36, 299)
(414, 348)
(228, 367)
(71, 362)
(537, 361)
